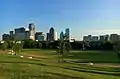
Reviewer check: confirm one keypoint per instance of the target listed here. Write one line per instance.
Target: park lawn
(44, 65)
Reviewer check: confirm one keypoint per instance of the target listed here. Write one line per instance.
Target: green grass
(44, 65)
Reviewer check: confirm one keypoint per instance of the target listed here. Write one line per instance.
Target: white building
(32, 31)
(56, 36)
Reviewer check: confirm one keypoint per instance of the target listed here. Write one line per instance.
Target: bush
(4, 46)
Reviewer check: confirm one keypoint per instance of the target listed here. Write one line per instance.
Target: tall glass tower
(67, 33)
(62, 36)
(52, 34)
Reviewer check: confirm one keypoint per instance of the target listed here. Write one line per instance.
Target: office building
(67, 34)
(39, 36)
(51, 34)
(5, 37)
(32, 31)
(27, 35)
(56, 36)
(94, 38)
(90, 38)
(47, 36)
(104, 38)
(12, 35)
(114, 37)
(87, 38)
(62, 36)
(20, 33)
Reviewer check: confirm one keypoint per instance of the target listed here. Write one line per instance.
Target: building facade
(32, 31)
(87, 38)
(47, 36)
(52, 34)
(90, 38)
(20, 33)
(67, 33)
(62, 36)
(94, 38)
(104, 38)
(5, 37)
(39, 36)
(56, 36)
(114, 37)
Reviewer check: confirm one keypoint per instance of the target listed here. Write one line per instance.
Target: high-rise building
(67, 34)
(20, 33)
(5, 37)
(52, 34)
(56, 37)
(62, 36)
(32, 31)
(47, 36)
(39, 36)
(12, 35)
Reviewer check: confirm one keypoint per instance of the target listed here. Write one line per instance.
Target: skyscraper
(32, 31)
(56, 37)
(11, 35)
(20, 33)
(67, 34)
(47, 36)
(52, 34)
(61, 35)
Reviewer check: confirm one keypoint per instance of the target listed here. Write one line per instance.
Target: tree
(4, 45)
(67, 46)
(116, 47)
(38, 44)
(17, 47)
(28, 43)
(63, 48)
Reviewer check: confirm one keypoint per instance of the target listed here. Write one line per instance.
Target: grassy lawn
(44, 65)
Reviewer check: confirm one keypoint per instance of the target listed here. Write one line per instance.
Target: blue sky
(83, 17)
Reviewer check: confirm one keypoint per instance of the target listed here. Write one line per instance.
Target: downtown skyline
(83, 17)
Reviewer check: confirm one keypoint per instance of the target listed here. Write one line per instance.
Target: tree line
(76, 45)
